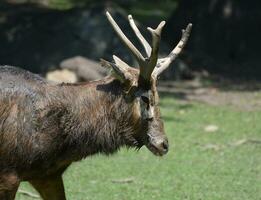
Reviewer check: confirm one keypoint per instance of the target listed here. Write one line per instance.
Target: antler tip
(130, 17)
(114, 57)
(162, 23)
(158, 29)
(189, 26)
(108, 14)
(149, 29)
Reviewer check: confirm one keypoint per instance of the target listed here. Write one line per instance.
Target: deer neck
(99, 119)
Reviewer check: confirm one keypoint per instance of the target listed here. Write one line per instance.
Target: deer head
(140, 84)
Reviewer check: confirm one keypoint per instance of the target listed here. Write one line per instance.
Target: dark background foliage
(39, 34)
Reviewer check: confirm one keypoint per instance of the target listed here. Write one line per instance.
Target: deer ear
(120, 69)
(117, 72)
(124, 73)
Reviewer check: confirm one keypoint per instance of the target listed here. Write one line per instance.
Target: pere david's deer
(44, 127)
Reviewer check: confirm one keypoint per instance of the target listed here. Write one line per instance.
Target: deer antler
(125, 40)
(164, 63)
(142, 40)
(151, 65)
(156, 36)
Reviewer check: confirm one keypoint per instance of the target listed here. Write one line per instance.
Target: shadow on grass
(172, 119)
(174, 95)
(239, 85)
(177, 107)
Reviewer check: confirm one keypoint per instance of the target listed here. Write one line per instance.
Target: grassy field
(221, 165)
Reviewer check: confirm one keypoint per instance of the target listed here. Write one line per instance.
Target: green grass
(188, 171)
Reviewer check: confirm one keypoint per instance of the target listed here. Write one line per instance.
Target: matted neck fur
(103, 117)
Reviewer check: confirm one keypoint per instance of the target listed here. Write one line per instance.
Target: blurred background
(210, 97)
(39, 34)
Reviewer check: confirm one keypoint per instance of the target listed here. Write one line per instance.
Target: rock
(62, 76)
(85, 69)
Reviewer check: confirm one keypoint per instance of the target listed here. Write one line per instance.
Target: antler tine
(120, 62)
(165, 62)
(156, 36)
(137, 32)
(125, 40)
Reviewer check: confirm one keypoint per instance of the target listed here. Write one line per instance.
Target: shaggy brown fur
(44, 127)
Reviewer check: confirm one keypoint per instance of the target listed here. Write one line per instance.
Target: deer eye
(145, 99)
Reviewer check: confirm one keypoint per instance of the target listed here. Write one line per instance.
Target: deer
(46, 126)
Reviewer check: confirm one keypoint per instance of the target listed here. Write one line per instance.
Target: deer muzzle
(158, 145)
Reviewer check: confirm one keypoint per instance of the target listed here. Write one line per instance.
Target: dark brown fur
(44, 127)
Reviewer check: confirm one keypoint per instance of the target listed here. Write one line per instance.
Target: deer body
(44, 127)
(44, 124)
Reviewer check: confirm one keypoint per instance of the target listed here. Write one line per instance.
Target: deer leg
(50, 188)
(9, 184)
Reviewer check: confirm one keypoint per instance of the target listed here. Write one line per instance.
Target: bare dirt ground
(242, 95)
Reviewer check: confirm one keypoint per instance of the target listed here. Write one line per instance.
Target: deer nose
(165, 146)
(158, 146)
